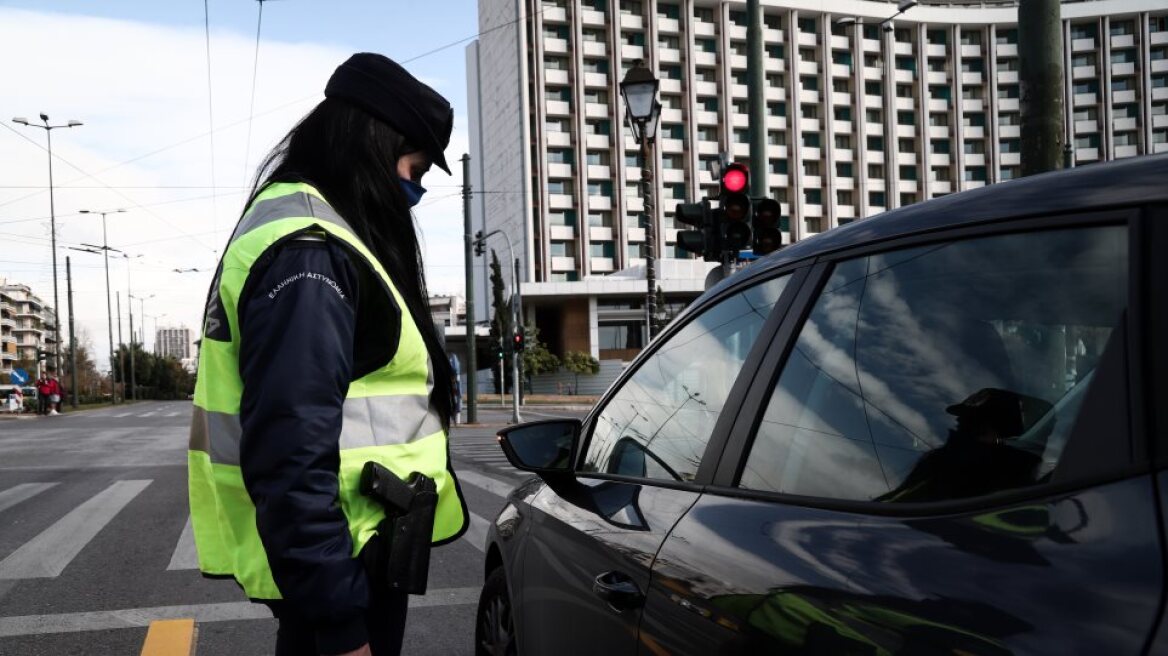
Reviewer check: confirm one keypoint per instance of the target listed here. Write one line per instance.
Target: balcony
(558, 108)
(740, 150)
(871, 45)
(737, 32)
(633, 52)
(1160, 93)
(775, 122)
(672, 145)
(672, 175)
(561, 201)
(703, 88)
(936, 50)
(706, 118)
(908, 131)
(1008, 105)
(1121, 97)
(936, 77)
(1123, 41)
(702, 58)
(971, 51)
(1082, 45)
(1160, 121)
(703, 28)
(595, 110)
(1008, 77)
(557, 46)
(938, 159)
(597, 233)
(595, 80)
(669, 25)
(1159, 66)
(738, 62)
(1083, 72)
(841, 70)
(873, 74)
(670, 85)
(634, 205)
(669, 55)
(1158, 38)
(776, 93)
(874, 129)
(805, 39)
(941, 187)
(599, 172)
(1125, 68)
(971, 132)
(1011, 159)
(938, 105)
(558, 138)
(1125, 123)
(1086, 154)
(903, 76)
(809, 125)
(563, 263)
(974, 159)
(555, 15)
(595, 48)
(1008, 50)
(708, 148)
(973, 105)
(1009, 131)
(555, 76)
(972, 79)
(806, 96)
(592, 18)
(602, 264)
(842, 127)
(631, 21)
(1085, 99)
(938, 131)
(558, 170)
(562, 232)
(598, 141)
(808, 67)
(598, 203)
(1130, 150)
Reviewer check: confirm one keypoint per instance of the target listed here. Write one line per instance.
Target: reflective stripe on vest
(386, 416)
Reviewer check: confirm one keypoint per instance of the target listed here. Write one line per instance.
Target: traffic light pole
(472, 412)
(756, 97)
(72, 337)
(515, 418)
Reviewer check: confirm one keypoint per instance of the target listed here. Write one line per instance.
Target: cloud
(141, 90)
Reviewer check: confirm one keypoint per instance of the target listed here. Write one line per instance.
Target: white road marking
(46, 555)
(22, 492)
(476, 533)
(484, 482)
(129, 618)
(123, 414)
(185, 556)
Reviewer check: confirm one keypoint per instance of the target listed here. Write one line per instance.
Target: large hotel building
(859, 120)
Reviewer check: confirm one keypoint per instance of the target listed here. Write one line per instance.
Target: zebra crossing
(48, 554)
(480, 451)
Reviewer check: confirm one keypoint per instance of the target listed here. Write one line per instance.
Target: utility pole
(471, 339)
(121, 359)
(72, 336)
(517, 324)
(756, 97)
(1040, 54)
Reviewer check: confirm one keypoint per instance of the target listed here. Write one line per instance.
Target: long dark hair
(351, 159)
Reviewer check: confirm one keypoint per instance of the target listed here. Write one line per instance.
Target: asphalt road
(94, 541)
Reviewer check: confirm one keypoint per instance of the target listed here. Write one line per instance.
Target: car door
(946, 461)
(591, 541)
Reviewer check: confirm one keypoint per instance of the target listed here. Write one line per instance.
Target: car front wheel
(494, 624)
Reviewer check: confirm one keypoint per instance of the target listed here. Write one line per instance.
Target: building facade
(26, 327)
(174, 343)
(859, 120)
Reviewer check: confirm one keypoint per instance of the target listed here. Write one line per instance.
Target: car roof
(1121, 183)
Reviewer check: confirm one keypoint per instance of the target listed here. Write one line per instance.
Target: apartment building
(173, 343)
(859, 120)
(26, 326)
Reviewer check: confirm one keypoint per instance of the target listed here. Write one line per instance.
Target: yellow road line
(170, 638)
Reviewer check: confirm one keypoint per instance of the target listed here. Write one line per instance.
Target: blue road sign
(18, 376)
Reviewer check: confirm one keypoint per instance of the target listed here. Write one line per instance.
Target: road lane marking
(148, 414)
(46, 555)
(172, 414)
(123, 414)
(170, 638)
(484, 482)
(476, 532)
(130, 618)
(22, 492)
(185, 556)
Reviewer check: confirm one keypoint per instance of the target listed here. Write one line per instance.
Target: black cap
(384, 89)
(1007, 412)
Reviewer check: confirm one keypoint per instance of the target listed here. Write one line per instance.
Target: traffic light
(735, 207)
(767, 217)
(479, 244)
(705, 240)
(518, 340)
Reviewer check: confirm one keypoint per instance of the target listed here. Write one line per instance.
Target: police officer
(319, 355)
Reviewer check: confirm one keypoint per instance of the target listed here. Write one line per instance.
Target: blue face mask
(413, 191)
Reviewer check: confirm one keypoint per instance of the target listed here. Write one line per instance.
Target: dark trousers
(42, 404)
(385, 620)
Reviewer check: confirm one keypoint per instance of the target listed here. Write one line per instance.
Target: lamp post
(886, 24)
(53, 223)
(515, 325)
(108, 301)
(639, 89)
(130, 311)
(142, 314)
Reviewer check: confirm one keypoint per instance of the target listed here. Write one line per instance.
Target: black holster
(399, 555)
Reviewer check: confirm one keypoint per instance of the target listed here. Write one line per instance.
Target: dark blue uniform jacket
(313, 317)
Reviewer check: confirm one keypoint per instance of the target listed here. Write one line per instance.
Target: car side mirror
(546, 448)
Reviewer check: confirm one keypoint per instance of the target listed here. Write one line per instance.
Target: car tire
(494, 622)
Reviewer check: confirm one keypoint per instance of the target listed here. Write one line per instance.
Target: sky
(174, 139)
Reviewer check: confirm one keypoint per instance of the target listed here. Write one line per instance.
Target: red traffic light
(735, 178)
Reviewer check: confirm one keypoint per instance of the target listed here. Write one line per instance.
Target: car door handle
(618, 589)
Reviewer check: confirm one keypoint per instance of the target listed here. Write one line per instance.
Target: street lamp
(639, 89)
(53, 223)
(130, 311)
(142, 313)
(886, 24)
(108, 301)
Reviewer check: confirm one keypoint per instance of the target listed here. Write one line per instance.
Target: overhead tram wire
(129, 200)
(251, 108)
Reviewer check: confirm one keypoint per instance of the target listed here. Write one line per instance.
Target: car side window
(657, 424)
(943, 372)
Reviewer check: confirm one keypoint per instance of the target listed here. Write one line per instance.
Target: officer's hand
(363, 650)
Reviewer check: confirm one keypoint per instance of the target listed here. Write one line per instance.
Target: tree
(536, 358)
(500, 338)
(578, 363)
